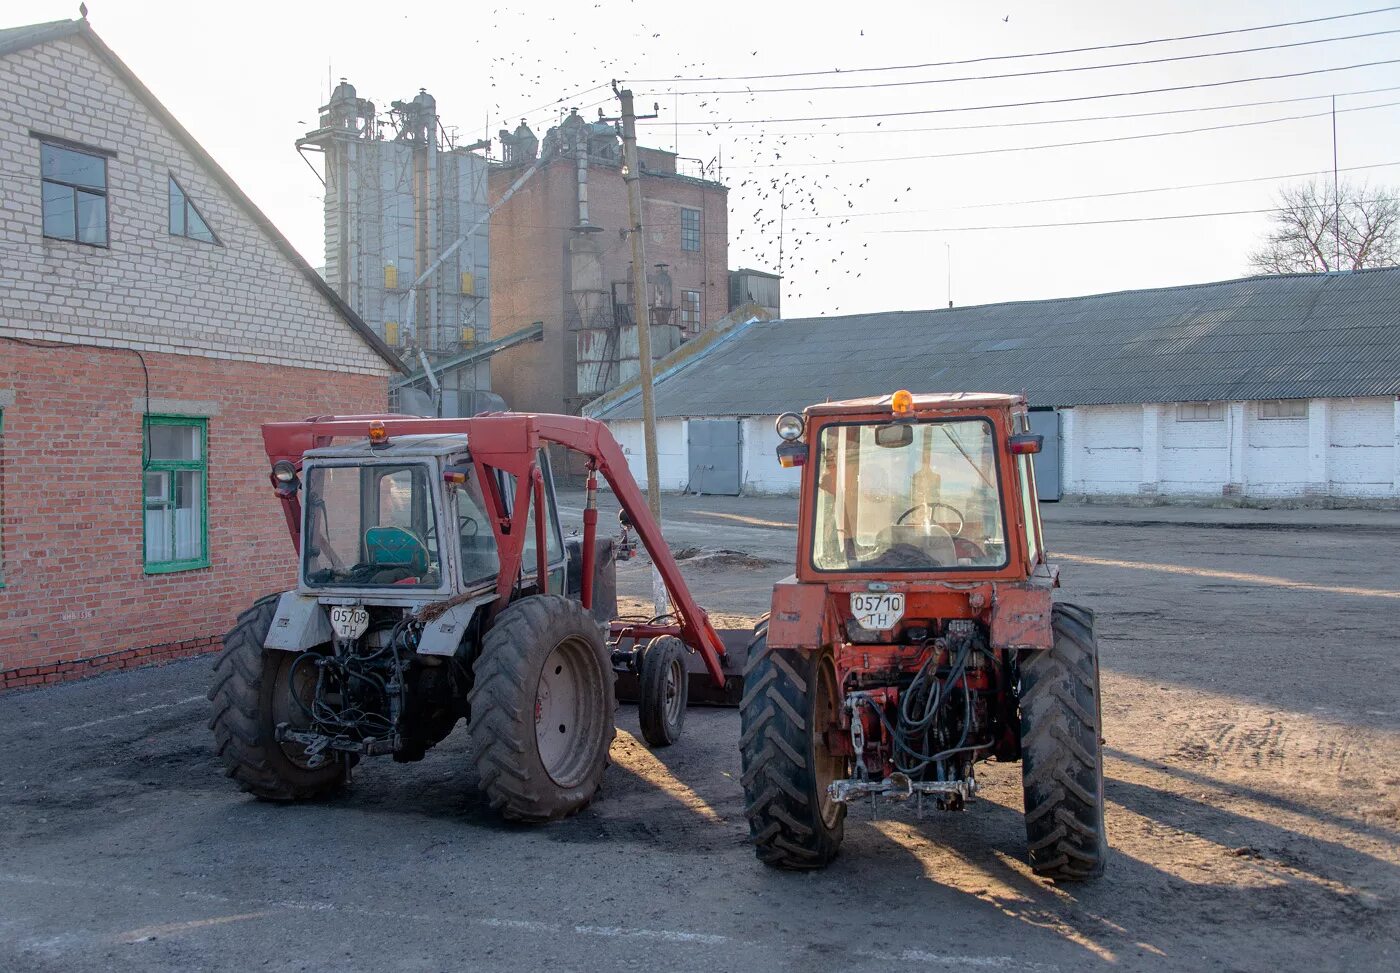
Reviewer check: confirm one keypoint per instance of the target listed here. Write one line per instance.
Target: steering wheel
(962, 520)
(463, 528)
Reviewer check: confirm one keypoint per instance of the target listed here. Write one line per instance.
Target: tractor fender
(798, 619)
(1021, 617)
(443, 634)
(299, 623)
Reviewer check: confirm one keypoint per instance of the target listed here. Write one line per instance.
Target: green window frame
(172, 486)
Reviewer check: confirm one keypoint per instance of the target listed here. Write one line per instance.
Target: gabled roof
(16, 39)
(1290, 336)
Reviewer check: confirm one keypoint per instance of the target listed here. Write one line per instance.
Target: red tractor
(435, 585)
(919, 635)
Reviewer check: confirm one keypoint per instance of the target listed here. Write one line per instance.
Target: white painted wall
(1344, 448)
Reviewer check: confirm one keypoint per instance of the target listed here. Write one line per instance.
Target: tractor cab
(405, 520)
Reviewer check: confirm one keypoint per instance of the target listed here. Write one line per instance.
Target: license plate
(877, 612)
(349, 623)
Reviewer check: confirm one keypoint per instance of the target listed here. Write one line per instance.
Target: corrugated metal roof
(1298, 336)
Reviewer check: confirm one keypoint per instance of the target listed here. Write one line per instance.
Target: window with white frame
(1283, 409)
(1200, 412)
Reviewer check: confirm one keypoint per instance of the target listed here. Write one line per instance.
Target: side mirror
(625, 519)
(1026, 443)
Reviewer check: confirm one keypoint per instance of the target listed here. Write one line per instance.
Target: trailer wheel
(1062, 762)
(252, 693)
(790, 699)
(663, 691)
(542, 709)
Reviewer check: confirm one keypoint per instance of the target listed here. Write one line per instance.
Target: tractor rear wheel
(663, 690)
(1061, 757)
(542, 709)
(252, 693)
(790, 700)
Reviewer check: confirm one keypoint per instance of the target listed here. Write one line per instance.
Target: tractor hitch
(900, 787)
(317, 744)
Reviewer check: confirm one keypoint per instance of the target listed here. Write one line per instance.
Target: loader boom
(509, 442)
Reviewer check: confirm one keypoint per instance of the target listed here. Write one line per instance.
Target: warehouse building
(151, 319)
(1265, 388)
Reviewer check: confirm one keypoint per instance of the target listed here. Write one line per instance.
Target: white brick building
(1266, 388)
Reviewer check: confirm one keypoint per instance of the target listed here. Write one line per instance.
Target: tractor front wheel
(790, 700)
(254, 691)
(1061, 758)
(663, 691)
(542, 709)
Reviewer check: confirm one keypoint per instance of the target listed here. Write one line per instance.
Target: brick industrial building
(151, 318)
(560, 255)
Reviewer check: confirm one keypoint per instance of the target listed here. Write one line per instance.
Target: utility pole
(632, 176)
(1336, 194)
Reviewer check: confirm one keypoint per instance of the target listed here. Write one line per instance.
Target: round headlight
(284, 471)
(790, 426)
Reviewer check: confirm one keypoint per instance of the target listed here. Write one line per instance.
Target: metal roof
(1290, 336)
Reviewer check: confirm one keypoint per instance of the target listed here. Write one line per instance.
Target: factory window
(690, 229)
(185, 220)
(175, 494)
(1283, 409)
(690, 311)
(75, 194)
(1200, 412)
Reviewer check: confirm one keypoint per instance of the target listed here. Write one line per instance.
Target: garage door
(714, 456)
(1047, 461)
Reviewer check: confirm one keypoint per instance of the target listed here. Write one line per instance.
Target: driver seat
(932, 539)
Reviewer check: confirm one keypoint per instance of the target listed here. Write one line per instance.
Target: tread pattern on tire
(502, 730)
(779, 779)
(650, 690)
(241, 718)
(1062, 764)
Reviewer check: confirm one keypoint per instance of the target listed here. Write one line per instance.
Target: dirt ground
(1250, 673)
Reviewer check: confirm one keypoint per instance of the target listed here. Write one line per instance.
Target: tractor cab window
(919, 496)
(370, 526)
(480, 559)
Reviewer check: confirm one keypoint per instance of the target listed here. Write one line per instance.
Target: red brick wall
(529, 241)
(76, 599)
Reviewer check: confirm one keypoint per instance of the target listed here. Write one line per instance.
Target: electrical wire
(1011, 57)
(1072, 69)
(1044, 101)
(1064, 145)
(830, 133)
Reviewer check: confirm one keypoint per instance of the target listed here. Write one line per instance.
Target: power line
(1057, 145)
(1080, 118)
(1048, 101)
(1012, 57)
(1073, 69)
(1108, 195)
(1126, 219)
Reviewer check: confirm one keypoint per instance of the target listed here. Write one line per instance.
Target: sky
(941, 194)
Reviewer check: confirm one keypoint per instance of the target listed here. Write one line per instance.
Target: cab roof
(398, 447)
(923, 401)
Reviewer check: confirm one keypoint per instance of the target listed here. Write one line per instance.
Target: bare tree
(1311, 233)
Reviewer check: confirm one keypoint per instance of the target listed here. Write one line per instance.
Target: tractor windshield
(370, 526)
(914, 496)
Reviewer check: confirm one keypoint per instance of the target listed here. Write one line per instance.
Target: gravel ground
(1253, 735)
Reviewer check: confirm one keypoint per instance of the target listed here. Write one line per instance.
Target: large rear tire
(251, 694)
(1062, 761)
(542, 709)
(663, 691)
(790, 699)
